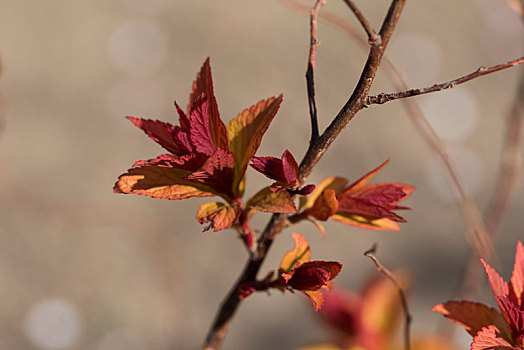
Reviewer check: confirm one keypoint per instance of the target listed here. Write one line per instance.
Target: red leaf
(162, 133)
(472, 316)
(284, 170)
(217, 173)
(313, 275)
(245, 134)
(517, 277)
(204, 85)
(341, 310)
(498, 285)
(365, 179)
(201, 127)
(272, 202)
(513, 315)
(489, 338)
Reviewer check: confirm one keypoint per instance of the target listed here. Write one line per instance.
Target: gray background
(83, 268)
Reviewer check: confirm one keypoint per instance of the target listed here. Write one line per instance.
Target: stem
(383, 97)
(372, 36)
(310, 82)
(477, 232)
(315, 151)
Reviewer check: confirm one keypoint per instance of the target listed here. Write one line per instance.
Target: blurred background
(83, 268)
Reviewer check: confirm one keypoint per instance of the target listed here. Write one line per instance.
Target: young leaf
(325, 205)
(489, 338)
(245, 134)
(284, 171)
(300, 254)
(362, 222)
(204, 129)
(161, 182)
(316, 297)
(204, 85)
(332, 182)
(220, 215)
(164, 177)
(162, 133)
(472, 316)
(312, 275)
(272, 202)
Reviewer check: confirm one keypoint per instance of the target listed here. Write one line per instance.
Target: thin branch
(372, 36)
(369, 253)
(315, 151)
(477, 232)
(386, 97)
(310, 81)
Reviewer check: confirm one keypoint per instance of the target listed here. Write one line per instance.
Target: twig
(477, 232)
(386, 97)
(315, 151)
(356, 101)
(369, 253)
(310, 81)
(372, 36)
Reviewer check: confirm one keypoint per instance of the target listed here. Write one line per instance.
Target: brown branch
(386, 97)
(315, 151)
(369, 253)
(477, 232)
(310, 81)
(372, 36)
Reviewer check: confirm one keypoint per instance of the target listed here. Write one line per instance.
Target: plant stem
(315, 151)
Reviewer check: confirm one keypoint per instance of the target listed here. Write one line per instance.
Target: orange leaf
(325, 206)
(161, 182)
(472, 316)
(245, 134)
(316, 297)
(272, 202)
(300, 254)
(361, 222)
(489, 339)
(332, 182)
(220, 215)
(365, 179)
